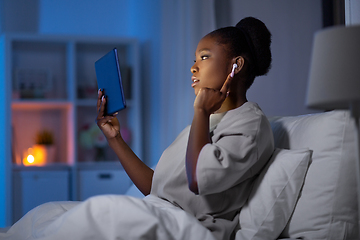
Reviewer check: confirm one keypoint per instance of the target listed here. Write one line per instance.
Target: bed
(306, 191)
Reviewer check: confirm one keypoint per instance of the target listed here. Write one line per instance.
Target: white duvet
(108, 217)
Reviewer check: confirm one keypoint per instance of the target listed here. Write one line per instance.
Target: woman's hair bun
(260, 38)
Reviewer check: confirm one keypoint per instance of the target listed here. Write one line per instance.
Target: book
(109, 81)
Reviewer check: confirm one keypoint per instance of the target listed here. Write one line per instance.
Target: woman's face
(212, 65)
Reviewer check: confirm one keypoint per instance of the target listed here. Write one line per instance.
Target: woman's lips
(195, 81)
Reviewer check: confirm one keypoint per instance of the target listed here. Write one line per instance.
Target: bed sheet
(108, 217)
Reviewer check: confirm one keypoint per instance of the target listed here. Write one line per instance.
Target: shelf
(50, 84)
(40, 104)
(48, 167)
(92, 103)
(99, 165)
(39, 68)
(55, 104)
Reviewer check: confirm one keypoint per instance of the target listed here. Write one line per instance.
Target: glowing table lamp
(334, 79)
(35, 156)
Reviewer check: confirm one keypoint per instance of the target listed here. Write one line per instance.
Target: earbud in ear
(233, 70)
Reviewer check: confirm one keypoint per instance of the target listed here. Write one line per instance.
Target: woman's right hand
(109, 125)
(140, 174)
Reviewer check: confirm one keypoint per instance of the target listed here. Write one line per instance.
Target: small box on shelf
(32, 83)
(39, 69)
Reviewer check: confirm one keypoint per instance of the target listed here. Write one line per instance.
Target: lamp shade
(334, 78)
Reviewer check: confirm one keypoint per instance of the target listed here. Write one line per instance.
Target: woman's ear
(240, 61)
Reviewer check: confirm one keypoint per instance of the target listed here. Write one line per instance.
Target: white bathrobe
(242, 143)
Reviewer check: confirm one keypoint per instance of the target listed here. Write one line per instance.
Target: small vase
(44, 154)
(50, 154)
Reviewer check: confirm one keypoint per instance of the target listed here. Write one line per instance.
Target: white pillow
(274, 195)
(327, 207)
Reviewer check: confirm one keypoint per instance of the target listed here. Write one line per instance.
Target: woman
(209, 173)
(203, 178)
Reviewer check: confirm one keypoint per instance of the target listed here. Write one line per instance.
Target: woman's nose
(194, 69)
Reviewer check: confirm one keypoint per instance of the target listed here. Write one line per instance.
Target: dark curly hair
(251, 39)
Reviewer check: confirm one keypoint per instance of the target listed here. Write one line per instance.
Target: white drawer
(32, 188)
(98, 182)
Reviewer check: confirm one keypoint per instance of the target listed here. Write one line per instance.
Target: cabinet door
(98, 182)
(33, 188)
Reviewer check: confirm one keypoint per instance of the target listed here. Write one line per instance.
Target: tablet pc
(109, 81)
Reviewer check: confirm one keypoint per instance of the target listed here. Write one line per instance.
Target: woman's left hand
(209, 100)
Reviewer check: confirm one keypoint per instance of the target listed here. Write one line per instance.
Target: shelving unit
(50, 84)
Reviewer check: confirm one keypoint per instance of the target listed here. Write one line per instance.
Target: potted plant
(45, 147)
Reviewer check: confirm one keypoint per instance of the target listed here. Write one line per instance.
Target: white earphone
(234, 66)
(233, 69)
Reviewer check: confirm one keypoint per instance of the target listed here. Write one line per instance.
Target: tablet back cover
(109, 80)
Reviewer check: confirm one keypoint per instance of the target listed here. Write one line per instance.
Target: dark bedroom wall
(19, 15)
(292, 24)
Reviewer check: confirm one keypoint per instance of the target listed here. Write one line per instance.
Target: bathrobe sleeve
(240, 148)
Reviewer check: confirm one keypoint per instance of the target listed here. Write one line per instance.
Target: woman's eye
(204, 57)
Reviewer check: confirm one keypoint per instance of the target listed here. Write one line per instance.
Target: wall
(92, 17)
(352, 12)
(292, 24)
(19, 15)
